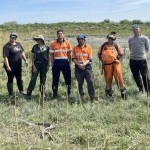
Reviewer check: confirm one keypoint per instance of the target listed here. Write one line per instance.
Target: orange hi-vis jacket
(81, 54)
(109, 53)
(60, 51)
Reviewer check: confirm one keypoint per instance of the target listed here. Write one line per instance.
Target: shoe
(92, 99)
(124, 94)
(23, 93)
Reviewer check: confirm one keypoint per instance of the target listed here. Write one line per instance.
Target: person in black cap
(13, 53)
(40, 64)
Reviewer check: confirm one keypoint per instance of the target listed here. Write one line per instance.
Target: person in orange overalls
(111, 55)
(60, 52)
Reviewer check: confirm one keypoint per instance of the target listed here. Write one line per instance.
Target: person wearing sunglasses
(13, 53)
(40, 65)
(111, 55)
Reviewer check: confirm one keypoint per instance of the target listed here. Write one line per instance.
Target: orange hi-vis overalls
(108, 56)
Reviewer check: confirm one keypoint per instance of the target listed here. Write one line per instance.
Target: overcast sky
(52, 11)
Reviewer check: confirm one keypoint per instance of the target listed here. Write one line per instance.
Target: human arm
(8, 68)
(24, 58)
(33, 64)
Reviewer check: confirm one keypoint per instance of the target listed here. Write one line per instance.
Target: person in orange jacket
(60, 52)
(111, 55)
(82, 57)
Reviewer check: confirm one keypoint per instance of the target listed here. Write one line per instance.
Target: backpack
(102, 48)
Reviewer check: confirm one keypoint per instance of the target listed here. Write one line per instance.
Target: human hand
(34, 69)
(8, 69)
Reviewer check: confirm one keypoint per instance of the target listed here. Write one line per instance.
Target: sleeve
(73, 54)
(90, 53)
(51, 48)
(147, 44)
(33, 48)
(5, 51)
(129, 44)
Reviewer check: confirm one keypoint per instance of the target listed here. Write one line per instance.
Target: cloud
(136, 3)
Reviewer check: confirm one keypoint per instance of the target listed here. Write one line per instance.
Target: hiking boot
(92, 99)
(108, 92)
(141, 90)
(23, 93)
(29, 94)
(123, 94)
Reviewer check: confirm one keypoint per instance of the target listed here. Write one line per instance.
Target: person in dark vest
(40, 65)
(13, 53)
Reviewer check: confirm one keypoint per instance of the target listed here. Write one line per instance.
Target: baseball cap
(112, 35)
(39, 37)
(81, 37)
(135, 26)
(13, 34)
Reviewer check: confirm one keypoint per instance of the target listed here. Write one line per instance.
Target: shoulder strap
(116, 46)
(102, 47)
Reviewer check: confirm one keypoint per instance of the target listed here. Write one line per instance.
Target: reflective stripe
(80, 54)
(82, 61)
(61, 58)
(59, 50)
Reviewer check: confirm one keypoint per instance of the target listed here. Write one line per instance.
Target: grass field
(114, 124)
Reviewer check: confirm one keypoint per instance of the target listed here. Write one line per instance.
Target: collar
(60, 42)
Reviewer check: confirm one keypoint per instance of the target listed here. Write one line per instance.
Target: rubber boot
(10, 89)
(108, 92)
(20, 87)
(55, 90)
(29, 93)
(124, 93)
(69, 90)
(42, 90)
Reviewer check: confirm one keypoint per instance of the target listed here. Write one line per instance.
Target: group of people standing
(60, 54)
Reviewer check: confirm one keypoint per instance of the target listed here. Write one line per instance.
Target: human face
(60, 35)
(110, 40)
(81, 42)
(136, 31)
(13, 39)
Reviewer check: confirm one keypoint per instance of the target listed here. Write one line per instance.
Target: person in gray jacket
(139, 46)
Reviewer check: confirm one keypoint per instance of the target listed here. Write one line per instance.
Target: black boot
(69, 90)
(10, 89)
(108, 92)
(42, 90)
(55, 90)
(124, 93)
(20, 87)
(29, 93)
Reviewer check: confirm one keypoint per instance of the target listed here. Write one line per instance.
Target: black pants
(17, 73)
(42, 70)
(140, 67)
(61, 65)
